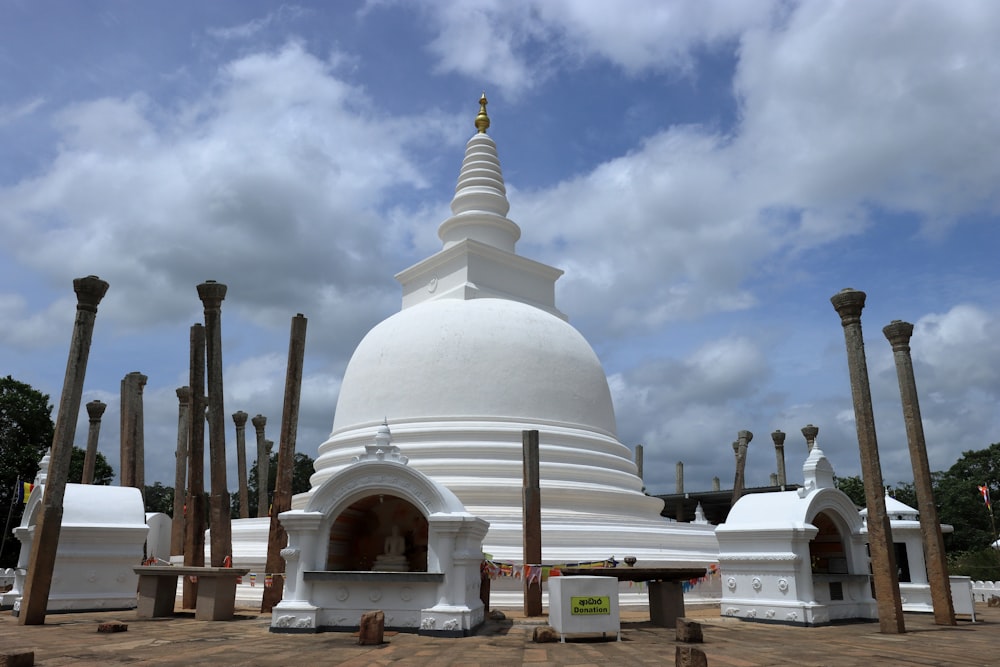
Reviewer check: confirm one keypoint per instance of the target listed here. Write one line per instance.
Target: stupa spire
(480, 203)
(482, 120)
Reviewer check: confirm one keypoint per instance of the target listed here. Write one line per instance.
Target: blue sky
(707, 174)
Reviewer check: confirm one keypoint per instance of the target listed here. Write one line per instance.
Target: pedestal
(666, 603)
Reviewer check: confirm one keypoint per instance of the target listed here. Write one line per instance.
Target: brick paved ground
(72, 639)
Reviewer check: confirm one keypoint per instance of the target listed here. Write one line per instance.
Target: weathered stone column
(263, 465)
(679, 477)
(240, 419)
(898, 334)
(638, 461)
(277, 537)
(849, 303)
(38, 579)
(95, 410)
(132, 459)
(809, 432)
(532, 521)
(180, 471)
(779, 453)
(211, 294)
(741, 463)
(716, 484)
(194, 539)
(139, 436)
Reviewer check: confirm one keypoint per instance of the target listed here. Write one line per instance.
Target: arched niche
(362, 502)
(827, 549)
(358, 534)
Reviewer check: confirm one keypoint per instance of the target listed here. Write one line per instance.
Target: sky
(708, 175)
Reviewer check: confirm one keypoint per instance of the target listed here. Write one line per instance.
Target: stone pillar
(240, 419)
(898, 334)
(38, 579)
(131, 430)
(849, 303)
(139, 437)
(180, 471)
(810, 432)
(716, 484)
(638, 461)
(532, 521)
(95, 410)
(263, 465)
(774, 479)
(269, 496)
(194, 539)
(741, 463)
(779, 454)
(277, 539)
(211, 294)
(679, 477)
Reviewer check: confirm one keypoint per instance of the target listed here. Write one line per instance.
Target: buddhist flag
(984, 491)
(23, 491)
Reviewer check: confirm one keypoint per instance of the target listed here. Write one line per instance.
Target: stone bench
(216, 591)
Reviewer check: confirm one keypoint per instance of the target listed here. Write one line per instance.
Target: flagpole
(10, 512)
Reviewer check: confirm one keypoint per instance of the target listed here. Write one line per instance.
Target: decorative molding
(375, 594)
(783, 585)
(731, 583)
(752, 557)
(756, 583)
(289, 553)
(428, 623)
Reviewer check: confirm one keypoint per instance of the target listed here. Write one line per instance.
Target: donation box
(584, 605)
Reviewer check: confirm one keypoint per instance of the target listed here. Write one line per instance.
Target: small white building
(101, 539)
(796, 557)
(914, 588)
(380, 534)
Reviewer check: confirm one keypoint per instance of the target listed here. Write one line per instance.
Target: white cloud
(269, 184)
(518, 45)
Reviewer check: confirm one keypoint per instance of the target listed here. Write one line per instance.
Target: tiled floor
(72, 639)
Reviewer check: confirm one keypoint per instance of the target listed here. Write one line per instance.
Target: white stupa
(478, 353)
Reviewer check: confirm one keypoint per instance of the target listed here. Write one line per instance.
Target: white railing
(984, 590)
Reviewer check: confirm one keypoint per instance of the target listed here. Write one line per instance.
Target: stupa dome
(489, 358)
(478, 354)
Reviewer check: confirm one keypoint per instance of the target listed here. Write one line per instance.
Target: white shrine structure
(427, 581)
(914, 588)
(479, 353)
(796, 557)
(102, 537)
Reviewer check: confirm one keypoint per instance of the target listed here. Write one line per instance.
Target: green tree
(960, 502)
(854, 487)
(159, 498)
(302, 470)
(103, 472)
(26, 431)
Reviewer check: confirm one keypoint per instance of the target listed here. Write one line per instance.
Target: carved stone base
(293, 618)
(450, 621)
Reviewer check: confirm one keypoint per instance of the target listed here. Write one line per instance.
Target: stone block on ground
(994, 601)
(497, 615)
(689, 631)
(17, 659)
(689, 656)
(544, 634)
(372, 628)
(112, 627)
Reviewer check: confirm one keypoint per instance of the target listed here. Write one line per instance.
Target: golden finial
(482, 120)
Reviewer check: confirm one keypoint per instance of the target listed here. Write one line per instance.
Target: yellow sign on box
(590, 605)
